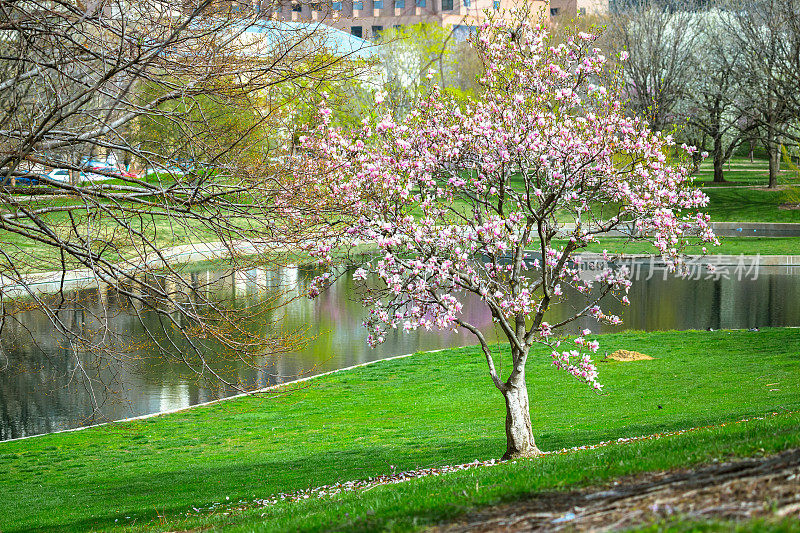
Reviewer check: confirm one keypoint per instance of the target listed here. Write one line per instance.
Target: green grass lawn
(741, 171)
(428, 410)
(747, 204)
(739, 204)
(34, 256)
(432, 500)
(730, 204)
(162, 231)
(728, 246)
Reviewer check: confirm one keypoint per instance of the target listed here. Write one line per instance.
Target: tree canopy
(192, 105)
(473, 197)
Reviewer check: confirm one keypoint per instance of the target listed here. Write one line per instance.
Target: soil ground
(767, 487)
(627, 355)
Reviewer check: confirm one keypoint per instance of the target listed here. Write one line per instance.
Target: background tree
(766, 32)
(712, 101)
(476, 197)
(788, 69)
(166, 86)
(658, 36)
(408, 53)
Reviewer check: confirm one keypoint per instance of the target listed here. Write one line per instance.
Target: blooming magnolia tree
(475, 199)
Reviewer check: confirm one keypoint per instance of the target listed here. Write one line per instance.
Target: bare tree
(767, 32)
(196, 96)
(788, 69)
(661, 55)
(712, 104)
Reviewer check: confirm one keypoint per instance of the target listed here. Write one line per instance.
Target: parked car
(99, 166)
(19, 181)
(91, 176)
(172, 170)
(59, 174)
(92, 167)
(62, 175)
(30, 179)
(128, 174)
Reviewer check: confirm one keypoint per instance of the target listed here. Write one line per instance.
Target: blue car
(30, 179)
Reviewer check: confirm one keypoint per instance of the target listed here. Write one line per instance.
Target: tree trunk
(773, 152)
(719, 161)
(519, 435)
(774, 164)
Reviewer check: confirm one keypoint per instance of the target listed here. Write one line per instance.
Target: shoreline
(51, 281)
(288, 383)
(186, 253)
(424, 412)
(219, 400)
(54, 281)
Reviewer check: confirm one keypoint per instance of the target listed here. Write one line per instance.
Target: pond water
(39, 392)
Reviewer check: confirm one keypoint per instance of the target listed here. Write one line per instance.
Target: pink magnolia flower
(470, 197)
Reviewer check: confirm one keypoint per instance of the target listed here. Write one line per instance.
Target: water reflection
(39, 392)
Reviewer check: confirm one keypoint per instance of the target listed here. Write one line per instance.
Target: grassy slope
(740, 171)
(732, 203)
(729, 204)
(432, 409)
(432, 500)
(163, 231)
(32, 256)
(739, 204)
(728, 246)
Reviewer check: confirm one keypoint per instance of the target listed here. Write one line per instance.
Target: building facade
(574, 8)
(369, 18)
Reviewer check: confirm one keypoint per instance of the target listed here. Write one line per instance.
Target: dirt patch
(741, 490)
(789, 207)
(628, 355)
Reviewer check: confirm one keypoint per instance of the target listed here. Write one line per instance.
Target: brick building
(573, 8)
(368, 18)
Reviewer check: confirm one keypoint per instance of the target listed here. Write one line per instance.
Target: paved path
(755, 229)
(48, 282)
